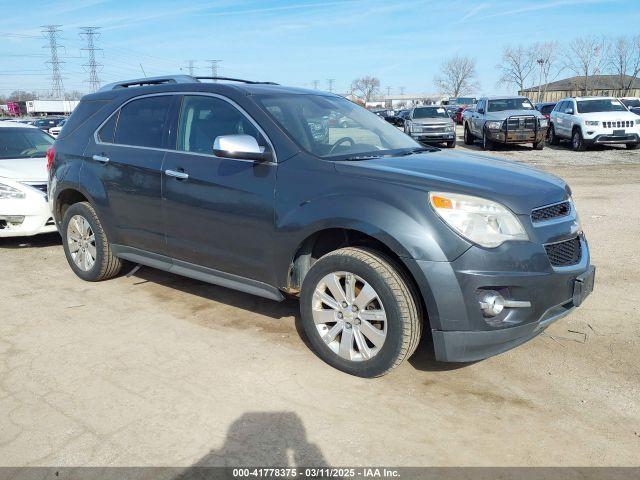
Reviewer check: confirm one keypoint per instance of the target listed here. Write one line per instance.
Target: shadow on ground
(261, 439)
(37, 241)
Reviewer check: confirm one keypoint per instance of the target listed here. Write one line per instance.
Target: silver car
(430, 124)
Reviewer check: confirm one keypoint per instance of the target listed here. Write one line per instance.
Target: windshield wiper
(419, 150)
(359, 157)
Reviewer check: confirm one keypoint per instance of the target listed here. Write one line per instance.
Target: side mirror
(480, 111)
(240, 146)
(568, 111)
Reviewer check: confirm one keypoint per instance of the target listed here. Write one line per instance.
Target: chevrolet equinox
(263, 189)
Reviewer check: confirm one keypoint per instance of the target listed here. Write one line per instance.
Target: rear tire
(86, 245)
(391, 323)
(468, 136)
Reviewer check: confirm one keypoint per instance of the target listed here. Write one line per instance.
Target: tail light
(51, 153)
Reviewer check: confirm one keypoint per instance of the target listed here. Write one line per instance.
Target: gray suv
(504, 120)
(382, 240)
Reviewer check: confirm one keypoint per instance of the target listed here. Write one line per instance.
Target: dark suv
(379, 237)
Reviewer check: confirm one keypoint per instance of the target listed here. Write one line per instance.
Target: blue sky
(294, 43)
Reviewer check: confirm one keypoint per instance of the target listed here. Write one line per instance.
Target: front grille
(619, 124)
(521, 123)
(564, 254)
(541, 214)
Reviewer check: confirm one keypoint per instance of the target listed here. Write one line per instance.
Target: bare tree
(457, 76)
(546, 56)
(365, 88)
(516, 66)
(73, 95)
(586, 57)
(624, 61)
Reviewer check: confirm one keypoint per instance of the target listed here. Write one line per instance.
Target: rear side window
(141, 123)
(81, 114)
(108, 130)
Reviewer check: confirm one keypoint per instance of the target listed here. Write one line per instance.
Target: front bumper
(521, 272)
(518, 136)
(610, 138)
(439, 137)
(26, 216)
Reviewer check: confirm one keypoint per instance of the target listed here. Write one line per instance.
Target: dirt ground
(155, 369)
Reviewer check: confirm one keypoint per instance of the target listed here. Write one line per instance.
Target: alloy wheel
(82, 243)
(349, 316)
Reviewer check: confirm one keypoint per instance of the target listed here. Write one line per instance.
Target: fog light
(13, 219)
(491, 303)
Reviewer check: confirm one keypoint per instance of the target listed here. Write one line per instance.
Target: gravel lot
(155, 369)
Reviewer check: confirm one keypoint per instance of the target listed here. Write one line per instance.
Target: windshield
(503, 104)
(631, 103)
(430, 112)
(23, 143)
(600, 105)
(332, 127)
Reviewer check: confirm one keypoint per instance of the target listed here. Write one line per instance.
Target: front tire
(451, 144)
(632, 146)
(486, 143)
(553, 138)
(538, 145)
(359, 313)
(86, 245)
(468, 136)
(577, 142)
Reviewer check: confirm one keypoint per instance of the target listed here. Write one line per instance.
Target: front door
(127, 159)
(219, 212)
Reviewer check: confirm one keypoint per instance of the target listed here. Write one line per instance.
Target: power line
(214, 67)
(330, 83)
(90, 34)
(190, 66)
(52, 32)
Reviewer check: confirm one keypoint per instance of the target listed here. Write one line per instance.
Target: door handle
(101, 158)
(176, 174)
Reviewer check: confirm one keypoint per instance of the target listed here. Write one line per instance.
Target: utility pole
(90, 34)
(51, 33)
(214, 67)
(191, 66)
(330, 82)
(388, 91)
(540, 62)
(402, 91)
(315, 84)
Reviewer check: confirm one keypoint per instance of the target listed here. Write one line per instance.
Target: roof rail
(140, 82)
(229, 79)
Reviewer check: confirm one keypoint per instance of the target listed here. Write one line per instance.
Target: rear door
(220, 214)
(127, 159)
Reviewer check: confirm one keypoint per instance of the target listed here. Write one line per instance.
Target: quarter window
(142, 122)
(108, 130)
(203, 119)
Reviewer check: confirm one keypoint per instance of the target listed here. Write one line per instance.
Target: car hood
(509, 113)
(517, 186)
(24, 169)
(608, 116)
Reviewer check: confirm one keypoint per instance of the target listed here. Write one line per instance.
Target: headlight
(544, 123)
(7, 192)
(450, 127)
(481, 221)
(416, 128)
(592, 123)
(494, 125)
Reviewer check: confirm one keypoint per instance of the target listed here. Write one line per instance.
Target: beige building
(597, 85)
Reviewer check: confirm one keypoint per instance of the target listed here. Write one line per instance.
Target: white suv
(593, 120)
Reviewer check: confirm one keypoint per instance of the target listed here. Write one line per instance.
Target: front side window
(203, 119)
(23, 143)
(142, 122)
(333, 127)
(504, 104)
(430, 112)
(600, 105)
